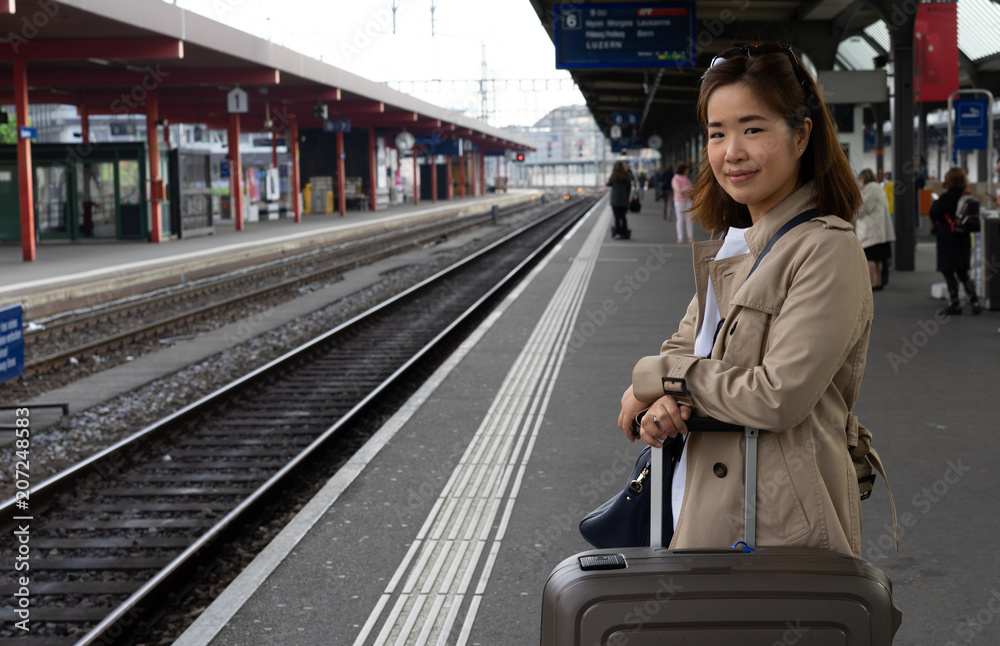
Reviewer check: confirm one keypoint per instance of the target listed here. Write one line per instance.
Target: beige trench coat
(788, 360)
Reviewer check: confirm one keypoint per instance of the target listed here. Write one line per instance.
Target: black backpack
(967, 214)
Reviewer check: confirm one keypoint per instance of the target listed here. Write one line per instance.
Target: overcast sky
(357, 35)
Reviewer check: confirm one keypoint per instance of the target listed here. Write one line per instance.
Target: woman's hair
(619, 173)
(773, 79)
(681, 169)
(955, 178)
(867, 176)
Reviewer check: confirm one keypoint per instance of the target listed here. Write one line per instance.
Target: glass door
(52, 202)
(96, 200)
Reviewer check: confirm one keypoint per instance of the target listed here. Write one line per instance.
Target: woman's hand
(665, 410)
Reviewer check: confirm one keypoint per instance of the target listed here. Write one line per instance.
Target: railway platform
(445, 526)
(96, 271)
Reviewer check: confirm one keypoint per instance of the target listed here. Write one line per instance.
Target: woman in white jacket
(874, 226)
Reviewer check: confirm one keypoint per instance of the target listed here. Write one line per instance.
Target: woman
(621, 187)
(681, 187)
(782, 351)
(953, 249)
(874, 226)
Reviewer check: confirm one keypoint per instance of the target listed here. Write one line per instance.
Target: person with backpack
(621, 188)
(779, 346)
(954, 248)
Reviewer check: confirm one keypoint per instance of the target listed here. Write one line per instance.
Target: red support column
(84, 123)
(482, 173)
(416, 178)
(166, 136)
(235, 170)
(450, 190)
(473, 175)
(274, 148)
(155, 185)
(461, 176)
(293, 150)
(373, 178)
(341, 184)
(25, 171)
(434, 177)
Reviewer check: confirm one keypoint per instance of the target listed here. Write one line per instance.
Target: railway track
(57, 340)
(115, 535)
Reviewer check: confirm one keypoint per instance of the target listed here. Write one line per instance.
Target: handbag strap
(805, 216)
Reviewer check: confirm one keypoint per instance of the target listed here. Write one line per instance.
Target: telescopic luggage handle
(706, 425)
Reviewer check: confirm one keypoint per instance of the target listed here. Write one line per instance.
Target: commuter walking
(667, 191)
(873, 225)
(681, 186)
(621, 188)
(782, 350)
(953, 249)
(640, 189)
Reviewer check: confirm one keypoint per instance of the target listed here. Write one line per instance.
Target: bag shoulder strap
(876, 462)
(805, 216)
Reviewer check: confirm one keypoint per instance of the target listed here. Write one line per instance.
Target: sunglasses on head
(762, 49)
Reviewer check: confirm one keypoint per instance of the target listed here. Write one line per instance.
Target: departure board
(624, 35)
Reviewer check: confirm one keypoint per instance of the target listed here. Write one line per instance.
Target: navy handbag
(623, 521)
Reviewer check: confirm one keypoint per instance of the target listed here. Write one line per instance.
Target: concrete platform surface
(450, 520)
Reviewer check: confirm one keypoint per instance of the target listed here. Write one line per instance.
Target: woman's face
(753, 153)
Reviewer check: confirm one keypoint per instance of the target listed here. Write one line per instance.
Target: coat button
(720, 470)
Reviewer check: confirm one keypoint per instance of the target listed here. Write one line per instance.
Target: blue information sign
(971, 125)
(627, 143)
(11, 343)
(27, 132)
(336, 125)
(650, 34)
(625, 118)
(224, 170)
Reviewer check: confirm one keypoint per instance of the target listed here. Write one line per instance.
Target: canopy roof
(106, 56)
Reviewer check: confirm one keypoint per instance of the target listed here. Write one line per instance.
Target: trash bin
(989, 237)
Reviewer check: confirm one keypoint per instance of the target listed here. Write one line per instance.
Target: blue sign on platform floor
(11, 343)
(971, 125)
(650, 34)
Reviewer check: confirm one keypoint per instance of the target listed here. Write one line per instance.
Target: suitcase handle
(703, 425)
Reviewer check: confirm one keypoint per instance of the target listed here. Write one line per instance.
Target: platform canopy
(832, 34)
(106, 56)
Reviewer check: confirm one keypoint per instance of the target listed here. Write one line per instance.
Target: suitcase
(642, 596)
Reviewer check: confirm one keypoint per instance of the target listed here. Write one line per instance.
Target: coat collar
(803, 199)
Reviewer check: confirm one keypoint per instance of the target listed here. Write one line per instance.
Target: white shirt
(735, 244)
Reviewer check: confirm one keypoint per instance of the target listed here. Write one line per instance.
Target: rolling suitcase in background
(641, 596)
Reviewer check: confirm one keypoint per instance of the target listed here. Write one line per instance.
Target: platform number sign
(237, 101)
(571, 19)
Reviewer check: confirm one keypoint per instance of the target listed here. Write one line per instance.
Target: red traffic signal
(519, 157)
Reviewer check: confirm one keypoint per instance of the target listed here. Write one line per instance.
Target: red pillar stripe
(416, 178)
(84, 123)
(235, 170)
(294, 151)
(25, 172)
(341, 184)
(372, 178)
(450, 190)
(482, 173)
(434, 177)
(152, 144)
